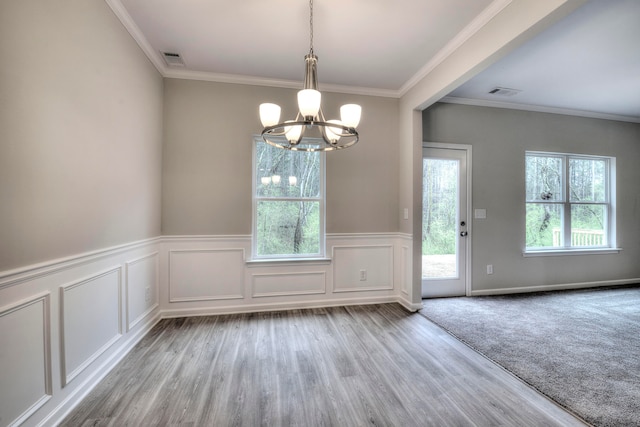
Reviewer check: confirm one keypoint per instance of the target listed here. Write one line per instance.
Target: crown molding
(454, 44)
(538, 109)
(128, 23)
(186, 74)
(181, 73)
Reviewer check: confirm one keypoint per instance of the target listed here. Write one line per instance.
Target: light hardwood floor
(348, 366)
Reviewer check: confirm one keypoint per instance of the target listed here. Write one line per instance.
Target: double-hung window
(288, 203)
(569, 202)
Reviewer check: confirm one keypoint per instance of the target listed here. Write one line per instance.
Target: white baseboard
(257, 308)
(409, 306)
(558, 287)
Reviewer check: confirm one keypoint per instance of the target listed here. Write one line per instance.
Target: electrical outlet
(489, 268)
(363, 275)
(147, 294)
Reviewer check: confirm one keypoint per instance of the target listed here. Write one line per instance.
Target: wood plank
(359, 365)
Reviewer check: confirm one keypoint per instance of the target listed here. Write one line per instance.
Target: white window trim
(611, 247)
(301, 258)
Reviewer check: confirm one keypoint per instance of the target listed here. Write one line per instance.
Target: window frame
(320, 255)
(566, 205)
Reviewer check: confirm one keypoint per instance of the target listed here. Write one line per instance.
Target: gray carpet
(580, 348)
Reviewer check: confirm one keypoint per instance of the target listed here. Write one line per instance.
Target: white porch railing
(581, 237)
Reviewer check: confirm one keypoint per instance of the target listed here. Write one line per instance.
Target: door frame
(467, 148)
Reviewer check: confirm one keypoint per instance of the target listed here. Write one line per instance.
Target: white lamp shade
(333, 134)
(269, 114)
(309, 102)
(275, 179)
(292, 133)
(265, 180)
(293, 180)
(350, 115)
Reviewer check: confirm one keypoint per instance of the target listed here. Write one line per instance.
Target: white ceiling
(590, 61)
(587, 64)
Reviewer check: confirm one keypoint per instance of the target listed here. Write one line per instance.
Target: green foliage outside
(287, 228)
(440, 206)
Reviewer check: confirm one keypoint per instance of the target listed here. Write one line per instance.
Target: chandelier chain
(311, 26)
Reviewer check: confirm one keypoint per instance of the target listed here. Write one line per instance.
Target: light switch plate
(480, 213)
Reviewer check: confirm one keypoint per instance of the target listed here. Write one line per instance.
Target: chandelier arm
(321, 116)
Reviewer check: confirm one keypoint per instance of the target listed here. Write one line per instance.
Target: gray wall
(207, 160)
(80, 132)
(499, 139)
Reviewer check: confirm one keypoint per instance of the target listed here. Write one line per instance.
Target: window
(569, 201)
(288, 203)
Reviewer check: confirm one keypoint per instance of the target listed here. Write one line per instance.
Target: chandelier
(320, 134)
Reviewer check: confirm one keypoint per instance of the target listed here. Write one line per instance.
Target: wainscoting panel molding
(141, 285)
(25, 353)
(90, 313)
(405, 268)
(206, 274)
(362, 268)
(280, 284)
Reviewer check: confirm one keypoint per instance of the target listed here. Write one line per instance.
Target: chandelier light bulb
(292, 133)
(350, 115)
(269, 114)
(309, 102)
(333, 133)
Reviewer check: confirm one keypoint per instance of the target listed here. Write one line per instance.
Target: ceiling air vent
(173, 59)
(503, 91)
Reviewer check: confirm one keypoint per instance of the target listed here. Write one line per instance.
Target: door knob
(463, 234)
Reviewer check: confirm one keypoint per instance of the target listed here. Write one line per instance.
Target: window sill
(287, 261)
(562, 252)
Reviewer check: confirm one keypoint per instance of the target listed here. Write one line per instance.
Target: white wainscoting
(25, 358)
(278, 284)
(88, 329)
(141, 288)
(405, 265)
(203, 275)
(65, 324)
(206, 274)
(362, 268)
(61, 327)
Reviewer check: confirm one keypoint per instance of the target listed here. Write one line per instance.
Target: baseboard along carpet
(581, 348)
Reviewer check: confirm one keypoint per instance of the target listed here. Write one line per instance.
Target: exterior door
(445, 224)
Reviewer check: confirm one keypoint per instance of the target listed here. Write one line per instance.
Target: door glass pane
(439, 218)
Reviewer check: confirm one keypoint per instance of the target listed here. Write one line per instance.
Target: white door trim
(468, 149)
